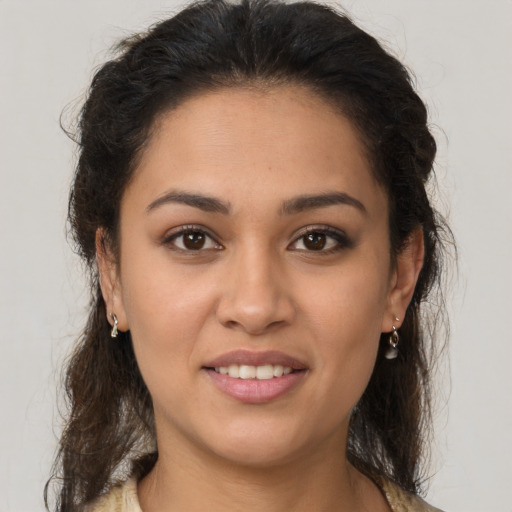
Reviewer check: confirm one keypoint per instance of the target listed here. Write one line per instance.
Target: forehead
(248, 143)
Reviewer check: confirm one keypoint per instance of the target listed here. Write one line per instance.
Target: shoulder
(121, 498)
(403, 501)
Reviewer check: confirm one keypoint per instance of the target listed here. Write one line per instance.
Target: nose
(255, 297)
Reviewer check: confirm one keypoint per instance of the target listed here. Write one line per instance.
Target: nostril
(254, 303)
(253, 326)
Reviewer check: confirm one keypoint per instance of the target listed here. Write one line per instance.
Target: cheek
(166, 311)
(345, 317)
(352, 300)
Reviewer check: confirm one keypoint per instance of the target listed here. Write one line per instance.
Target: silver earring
(114, 331)
(392, 351)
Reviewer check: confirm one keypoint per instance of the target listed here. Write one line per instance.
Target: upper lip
(252, 358)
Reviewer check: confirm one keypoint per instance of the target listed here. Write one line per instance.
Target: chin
(259, 446)
(255, 455)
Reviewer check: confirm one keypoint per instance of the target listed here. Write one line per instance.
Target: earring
(114, 331)
(392, 351)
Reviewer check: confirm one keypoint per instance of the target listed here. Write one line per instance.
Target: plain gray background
(461, 53)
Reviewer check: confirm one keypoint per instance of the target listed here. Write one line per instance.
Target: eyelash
(170, 240)
(341, 239)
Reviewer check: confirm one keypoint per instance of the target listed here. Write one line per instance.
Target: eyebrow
(205, 203)
(289, 207)
(311, 202)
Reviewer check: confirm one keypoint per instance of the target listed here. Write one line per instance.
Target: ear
(109, 280)
(403, 280)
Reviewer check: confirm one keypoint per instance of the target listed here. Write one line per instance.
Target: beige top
(123, 498)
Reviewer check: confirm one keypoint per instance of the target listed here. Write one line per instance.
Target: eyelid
(341, 237)
(181, 230)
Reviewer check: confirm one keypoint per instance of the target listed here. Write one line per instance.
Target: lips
(250, 358)
(255, 377)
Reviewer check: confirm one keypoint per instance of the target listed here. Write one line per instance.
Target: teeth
(278, 370)
(264, 372)
(247, 372)
(234, 371)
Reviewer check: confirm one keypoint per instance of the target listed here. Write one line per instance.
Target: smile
(263, 372)
(255, 377)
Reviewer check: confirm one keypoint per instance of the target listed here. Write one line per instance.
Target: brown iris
(194, 240)
(315, 241)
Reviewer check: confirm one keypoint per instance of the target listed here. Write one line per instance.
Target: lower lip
(254, 391)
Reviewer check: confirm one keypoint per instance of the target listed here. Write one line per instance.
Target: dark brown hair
(210, 45)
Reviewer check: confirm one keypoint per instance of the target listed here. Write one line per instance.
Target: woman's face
(254, 274)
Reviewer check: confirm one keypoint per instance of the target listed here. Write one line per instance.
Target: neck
(320, 481)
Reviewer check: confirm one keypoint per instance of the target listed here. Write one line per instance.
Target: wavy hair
(211, 45)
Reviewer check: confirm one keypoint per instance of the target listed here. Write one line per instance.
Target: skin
(256, 285)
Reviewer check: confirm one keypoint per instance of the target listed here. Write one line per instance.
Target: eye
(192, 239)
(324, 240)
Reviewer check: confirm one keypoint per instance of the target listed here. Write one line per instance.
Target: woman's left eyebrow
(311, 202)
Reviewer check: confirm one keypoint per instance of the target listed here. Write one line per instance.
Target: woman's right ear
(110, 284)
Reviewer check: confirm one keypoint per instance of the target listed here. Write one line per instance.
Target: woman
(250, 200)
